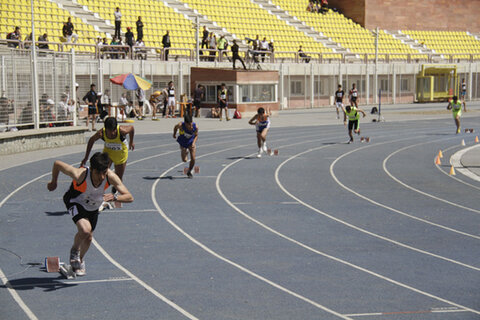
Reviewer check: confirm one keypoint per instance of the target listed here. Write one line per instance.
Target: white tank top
(90, 198)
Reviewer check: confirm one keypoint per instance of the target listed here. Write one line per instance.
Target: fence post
(73, 85)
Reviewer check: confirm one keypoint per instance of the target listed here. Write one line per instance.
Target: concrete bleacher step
(82, 12)
(300, 26)
(406, 39)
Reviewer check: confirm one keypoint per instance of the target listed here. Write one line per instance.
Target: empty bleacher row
(242, 18)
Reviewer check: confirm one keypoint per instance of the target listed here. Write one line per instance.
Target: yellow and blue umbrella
(131, 82)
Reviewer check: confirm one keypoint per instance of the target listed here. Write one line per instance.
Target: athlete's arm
(253, 121)
(175, 130)
(196, 137)
(124, 194)
(71, 171)
(464, 106)
(363, 112)
(344, 115)
(449, 106)
(91, 142)
(130, 130)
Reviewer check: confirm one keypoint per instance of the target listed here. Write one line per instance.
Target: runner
(339, 95)
(187, 138)
(223, 101)
(354, 96)
(155, 100)
(262, 123)
(456, 107)
(353, 120)
(463, 92)
(114, 136)
(84, 198)
(171, 100)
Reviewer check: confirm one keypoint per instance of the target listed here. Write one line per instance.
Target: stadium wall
(442, 15)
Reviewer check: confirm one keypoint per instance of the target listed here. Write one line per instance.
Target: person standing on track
(456, 107)
(261, 121)
(339, 95)
(354, 96)
(223, 101)
(353, 120)
(171, 100)
(84, 198)
(115, 146)
(187, 139)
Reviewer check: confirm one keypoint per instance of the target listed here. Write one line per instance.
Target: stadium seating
(344, 31)
(452, 44)
(245, 19)
(49, 19)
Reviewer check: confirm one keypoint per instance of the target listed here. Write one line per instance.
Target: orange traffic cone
(476, 139)
(440, 154)
(452, 171)
(437, 160)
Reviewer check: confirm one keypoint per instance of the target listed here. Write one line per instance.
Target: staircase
(404, 38)
(300, 26)
(82, 12)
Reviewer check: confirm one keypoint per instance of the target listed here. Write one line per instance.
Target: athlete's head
(187, 118)
(354, 85)
(99, 161)
(261, 111)
(348, 108)
(170, 84)
(454, 98)
(111, 123)
(339, 86)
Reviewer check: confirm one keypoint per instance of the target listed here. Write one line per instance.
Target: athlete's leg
(259, 139)
(120, 169)
(457, 123)
(192, 150)
(183, 154)
(83, 238)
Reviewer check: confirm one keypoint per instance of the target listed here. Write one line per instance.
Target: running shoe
(350, 141)
(228, 119)
(189, 175)
(82, 270)
(259, 154)
(458, 130)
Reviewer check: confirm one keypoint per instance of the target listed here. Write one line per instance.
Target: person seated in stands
(115, 42)
(310, 6)
(15, 35)
(140, 53)
(303, 56)
(324, 8)
(43, 38)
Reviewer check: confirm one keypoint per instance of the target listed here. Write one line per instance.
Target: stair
(404, 38)
(89, 17)
(302, 27)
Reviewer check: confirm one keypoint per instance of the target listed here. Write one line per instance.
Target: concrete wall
(453, 15)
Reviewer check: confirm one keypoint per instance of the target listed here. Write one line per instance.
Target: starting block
(52, 264)
(365, 139)
(67, 271)
(469, 130)
(275, 152)
(196, 169)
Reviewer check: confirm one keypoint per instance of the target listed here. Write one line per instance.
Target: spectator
(222, 46)
(263, 47)
(43, 38)
(255, 48)
(198, 95)
(139, 24)
(303, 56)
(132, 111)
(91, 99)
(212, 46)
(115, 42)
(28, 41)
(15, 35)
(140, 95)
(166, 44)
(118, 22)
(235, 55)
(324, 8)
(105, 104)
(139, 52)
(310, 7)
(62, 108)
(171, 102)
(68, 31)
(129, 37)
(205, 38)
(222, 97)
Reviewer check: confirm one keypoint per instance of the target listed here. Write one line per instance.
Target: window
(257, 93)
(384, 85)
(296, 87)
(318, 87)
(405, 85)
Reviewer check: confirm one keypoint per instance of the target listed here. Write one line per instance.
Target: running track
(325, 230)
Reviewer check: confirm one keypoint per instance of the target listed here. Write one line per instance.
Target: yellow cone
(463, 143)
(437, 160)
(440, 154)
(452, 171)
(476, 139)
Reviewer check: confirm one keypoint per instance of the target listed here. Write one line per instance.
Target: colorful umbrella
(131, 82)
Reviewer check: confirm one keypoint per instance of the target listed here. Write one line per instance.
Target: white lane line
(59, 283)
(390, 208)
(367, 232)
(143, 283)
(222, 258)
(455, 160)
(417, 190)
(16, 297)
(433, 310)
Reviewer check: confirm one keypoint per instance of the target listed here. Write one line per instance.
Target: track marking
(455, 160)
(16, 297)
(387, 207)
(417, 190)
(433, 310)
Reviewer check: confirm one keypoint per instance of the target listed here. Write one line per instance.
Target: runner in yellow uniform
(353, 120)
(114, 136)
(456, 107)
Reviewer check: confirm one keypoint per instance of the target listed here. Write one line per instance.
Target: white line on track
(417, 190)
(375, 235)
(16, 297)
(343, 222)
(230, 262)
(455, 160)
(387, 207)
